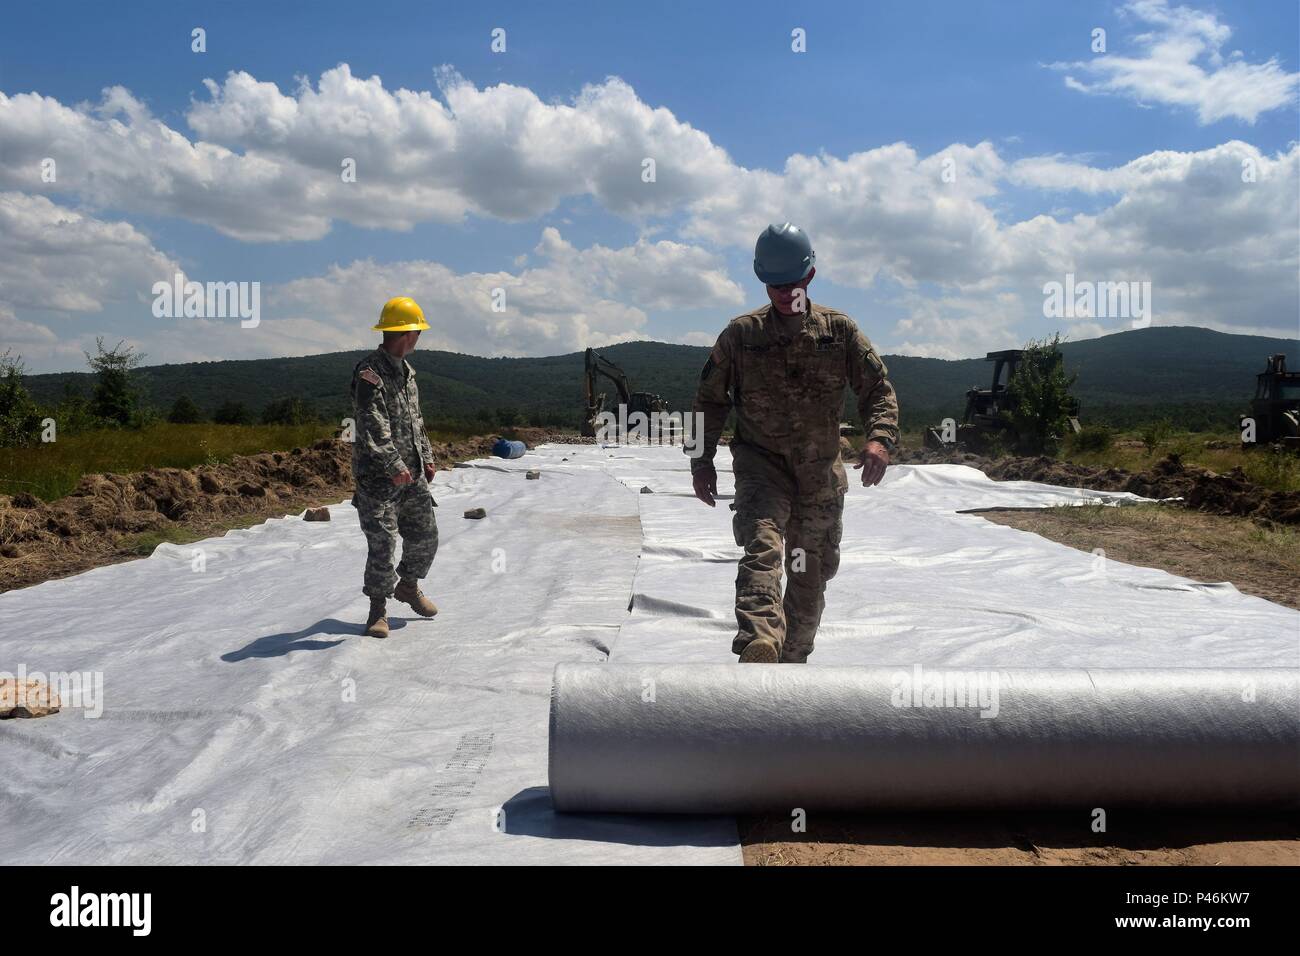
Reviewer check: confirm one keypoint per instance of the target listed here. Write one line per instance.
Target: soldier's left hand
(429, 469)
(873, 460)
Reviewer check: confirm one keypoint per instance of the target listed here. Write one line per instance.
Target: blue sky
(1010, 91)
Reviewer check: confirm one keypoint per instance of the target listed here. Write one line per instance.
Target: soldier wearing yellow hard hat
(401, 315)
(392, 464)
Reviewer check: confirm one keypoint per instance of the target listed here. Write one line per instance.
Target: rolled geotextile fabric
(715, 738)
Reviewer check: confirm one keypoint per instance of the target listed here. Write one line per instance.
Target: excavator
(1276, 406)
(597, 365)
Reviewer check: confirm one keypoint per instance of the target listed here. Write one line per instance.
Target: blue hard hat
(783, 254)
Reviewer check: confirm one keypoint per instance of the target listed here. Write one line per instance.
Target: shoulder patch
(370, 376)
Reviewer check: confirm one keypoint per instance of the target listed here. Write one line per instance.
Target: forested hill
(1193, 376)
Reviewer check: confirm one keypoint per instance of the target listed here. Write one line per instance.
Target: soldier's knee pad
(830, 557)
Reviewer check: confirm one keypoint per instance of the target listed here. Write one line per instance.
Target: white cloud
(59, 263)
(268, 165)
(655, 275)
(573, 298)
(53, 258)
(1220, 252)
(55, 263)
(698, 338)
(882, 213)
(1181, 63)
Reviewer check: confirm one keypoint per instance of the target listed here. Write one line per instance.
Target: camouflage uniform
(785, 377)
(390, 438)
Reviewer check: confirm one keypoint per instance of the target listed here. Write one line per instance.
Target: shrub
(185, 412)
(1092, 438)
(289, 411)
(20, 422)
(1153, 434)
(233, 413)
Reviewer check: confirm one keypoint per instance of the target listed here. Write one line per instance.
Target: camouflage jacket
(787, 387)
(390, 434)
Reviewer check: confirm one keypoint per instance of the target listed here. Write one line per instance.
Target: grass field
(52, 469)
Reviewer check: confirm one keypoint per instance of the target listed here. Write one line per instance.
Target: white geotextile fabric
(224, 689)
(921, 583)
(224, 693)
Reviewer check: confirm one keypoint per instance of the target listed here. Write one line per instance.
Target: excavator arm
(596, 365)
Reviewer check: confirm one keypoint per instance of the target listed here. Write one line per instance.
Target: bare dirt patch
(1024, 839)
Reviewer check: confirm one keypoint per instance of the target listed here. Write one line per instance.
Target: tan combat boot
(377, 621)
(408, 592)
(761, 650)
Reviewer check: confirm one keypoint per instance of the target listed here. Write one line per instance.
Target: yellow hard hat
(401, 315)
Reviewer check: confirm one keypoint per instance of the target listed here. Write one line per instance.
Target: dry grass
(1257, 560)
(1217, 452)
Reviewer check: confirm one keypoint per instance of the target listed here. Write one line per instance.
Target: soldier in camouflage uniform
(783, 367)
(392, 464)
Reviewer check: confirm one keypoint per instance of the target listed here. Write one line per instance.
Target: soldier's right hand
(403, 477)
(705, 481)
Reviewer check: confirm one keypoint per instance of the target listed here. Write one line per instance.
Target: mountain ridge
(1161, 371)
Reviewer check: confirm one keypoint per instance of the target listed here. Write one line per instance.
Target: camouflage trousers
(386, 514)
(800, 507)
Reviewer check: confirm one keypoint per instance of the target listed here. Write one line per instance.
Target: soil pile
(103, 519)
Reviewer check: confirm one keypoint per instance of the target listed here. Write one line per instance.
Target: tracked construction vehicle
(984, 419)
(1275, 410)
(644, 403)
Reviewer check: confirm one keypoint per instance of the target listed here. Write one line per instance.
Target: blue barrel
(504, 448)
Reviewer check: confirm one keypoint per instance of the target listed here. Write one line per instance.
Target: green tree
(185, 412)
(1039, 404)
(116, 398)
(73, 413)
(289, 411)
(506, 416)
(20, 422)
(233, 413)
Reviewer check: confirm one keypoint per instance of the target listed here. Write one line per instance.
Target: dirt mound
(1204, 490)
(104, 517)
